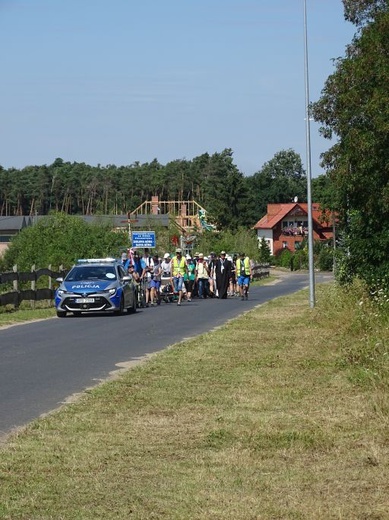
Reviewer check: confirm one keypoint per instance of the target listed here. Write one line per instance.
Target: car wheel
(119, 312)
(61, 314)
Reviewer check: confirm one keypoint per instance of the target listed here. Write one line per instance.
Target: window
(284, 245)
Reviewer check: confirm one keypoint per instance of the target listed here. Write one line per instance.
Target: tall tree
(361, 11)
(223, 189)
(354, 107)
(280, 180)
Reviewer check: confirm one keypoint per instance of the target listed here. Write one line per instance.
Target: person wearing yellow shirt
(179, 268)
(243, 271)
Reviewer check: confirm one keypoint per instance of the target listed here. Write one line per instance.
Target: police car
(96, 285)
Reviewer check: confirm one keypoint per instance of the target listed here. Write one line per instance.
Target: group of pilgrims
(186, 276)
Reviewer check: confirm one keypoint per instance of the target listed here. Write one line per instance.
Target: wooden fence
(32, 294)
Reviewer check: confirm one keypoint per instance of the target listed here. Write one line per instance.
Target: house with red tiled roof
(286, 226)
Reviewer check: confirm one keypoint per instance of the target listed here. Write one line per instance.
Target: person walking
(212, 274)
(202, 275)
(189, 277)
(195, 291)
(147, 264)
(136, 262)
(243, 270)
(155, 282)
(134, 274)
(166, 265)
(232, 291)
(223, 275)
(126, 260)
(179, 268)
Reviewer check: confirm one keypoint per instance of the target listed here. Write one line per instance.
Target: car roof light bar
(95, 260)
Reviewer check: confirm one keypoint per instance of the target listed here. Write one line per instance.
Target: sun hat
(178, 250)
(201, 255)
(188, 257)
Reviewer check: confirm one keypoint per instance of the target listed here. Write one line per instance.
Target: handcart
(167, 291)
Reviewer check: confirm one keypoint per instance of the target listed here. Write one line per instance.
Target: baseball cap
(223, 253)
(188, 257)
(166, 255)
(178, 250)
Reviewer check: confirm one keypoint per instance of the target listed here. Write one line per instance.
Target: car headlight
(61, 292)
(111, 292)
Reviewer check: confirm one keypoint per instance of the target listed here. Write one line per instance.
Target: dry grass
(261, 419)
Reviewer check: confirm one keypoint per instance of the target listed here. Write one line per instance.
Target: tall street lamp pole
(309, 175)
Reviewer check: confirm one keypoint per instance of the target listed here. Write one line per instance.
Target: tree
(279, 181)
(264, 252)
(354, 107)
(223, 189)
(360, 11)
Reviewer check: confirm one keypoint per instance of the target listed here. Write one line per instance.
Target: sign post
(143, 239)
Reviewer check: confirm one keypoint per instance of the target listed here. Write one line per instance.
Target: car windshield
(81, 273)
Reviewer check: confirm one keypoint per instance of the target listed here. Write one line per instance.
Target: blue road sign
(143, 239)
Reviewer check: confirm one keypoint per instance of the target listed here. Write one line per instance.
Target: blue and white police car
(96, 285)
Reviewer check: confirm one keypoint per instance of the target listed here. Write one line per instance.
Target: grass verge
(266, 418)
(10, 316)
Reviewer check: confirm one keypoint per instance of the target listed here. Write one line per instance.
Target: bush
(300, 259)
(60, 239)
(325, 259)
(284, 259)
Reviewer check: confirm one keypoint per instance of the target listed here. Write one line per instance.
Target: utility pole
(309, 174)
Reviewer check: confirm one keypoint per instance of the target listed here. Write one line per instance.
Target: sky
(124, 81)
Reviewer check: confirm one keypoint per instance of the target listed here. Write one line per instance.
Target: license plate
(85, 300)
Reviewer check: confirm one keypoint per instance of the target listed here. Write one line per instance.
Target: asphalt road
(44, 363)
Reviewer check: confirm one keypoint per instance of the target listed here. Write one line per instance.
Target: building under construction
(187, 215)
